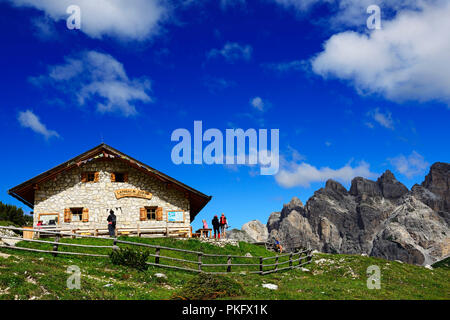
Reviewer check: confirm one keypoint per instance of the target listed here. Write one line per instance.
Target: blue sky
(347, 100)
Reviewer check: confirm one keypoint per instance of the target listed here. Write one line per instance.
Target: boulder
(256, 230)
(239, 235)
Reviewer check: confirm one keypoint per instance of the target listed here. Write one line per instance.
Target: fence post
(290, 260)
(309, 255)
(157, 255)
(55, 246)
(200, 261)
(300, 258)
(276, 263)
(229, 264)
(115, 247)
(260, 265)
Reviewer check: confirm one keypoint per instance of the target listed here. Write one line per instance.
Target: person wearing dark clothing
(112, 224)
(216, 226)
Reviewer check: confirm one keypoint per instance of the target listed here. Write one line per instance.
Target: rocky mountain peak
(361, 186)
(437, 181)
(295, 202)
(390, 187)
(380, 218)
(335, 186)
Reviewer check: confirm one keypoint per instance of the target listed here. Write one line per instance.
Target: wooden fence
(167, 231)
(257, 265)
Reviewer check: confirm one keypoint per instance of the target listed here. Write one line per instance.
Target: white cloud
(295, 65)
(134, 20)
(406, 60)
(28, 119)
(257, 103)
(410, 166)
(215, 84)
(94, 75)
(303, 174)
(232, 52)
(383, 119)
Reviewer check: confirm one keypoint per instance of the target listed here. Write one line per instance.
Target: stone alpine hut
(77, 196)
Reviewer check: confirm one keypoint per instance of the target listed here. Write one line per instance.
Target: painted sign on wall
(175, 216)
(133, 193)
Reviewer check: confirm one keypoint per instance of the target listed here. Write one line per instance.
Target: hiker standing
(111, 223)
(223, 225)
(216, 226)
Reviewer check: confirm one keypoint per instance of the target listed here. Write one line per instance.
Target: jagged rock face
(256, 230)
(381, 218)
(414, 233)
(390, 187)
(438, 182)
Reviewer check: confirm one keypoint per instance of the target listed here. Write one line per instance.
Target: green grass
(26, 275)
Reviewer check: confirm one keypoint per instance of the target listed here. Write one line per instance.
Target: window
(120, 177)
(151, 213)
(77, 214)
(90, 177)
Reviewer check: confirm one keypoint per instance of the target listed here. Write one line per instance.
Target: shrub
(209, 286)
(130, 257)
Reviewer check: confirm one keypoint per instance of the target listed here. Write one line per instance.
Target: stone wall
(67, 191)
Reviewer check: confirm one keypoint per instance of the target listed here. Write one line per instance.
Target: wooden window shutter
(67, 215)
(125, 177)
(84, 177)
(113, 177)
(143, 214)
(97, 175)
(85, 216)
(159, 214)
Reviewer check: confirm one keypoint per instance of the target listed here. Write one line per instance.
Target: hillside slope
(25, 275)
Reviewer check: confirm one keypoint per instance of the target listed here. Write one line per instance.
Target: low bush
(130, 257)
(209, 286)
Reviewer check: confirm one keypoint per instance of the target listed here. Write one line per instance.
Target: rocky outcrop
(256, 230)
(253, 231)
(380, 218)
(239, 235)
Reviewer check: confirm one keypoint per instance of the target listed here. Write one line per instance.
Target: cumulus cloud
(383, 119)
(303, 174)
(232, 52)
(410, 166)
(96, 76)
(134, 20)
(28, 119)
(406, 60)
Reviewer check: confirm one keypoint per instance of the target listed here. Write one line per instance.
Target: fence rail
(294, 259)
